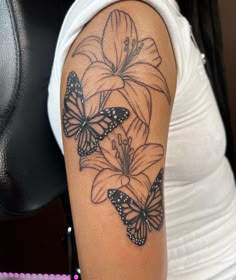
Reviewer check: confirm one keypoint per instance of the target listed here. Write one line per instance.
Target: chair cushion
(32, 171)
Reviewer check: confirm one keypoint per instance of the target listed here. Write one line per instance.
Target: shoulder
(112, 25)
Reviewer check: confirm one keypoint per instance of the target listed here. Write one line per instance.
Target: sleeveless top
(200, 193)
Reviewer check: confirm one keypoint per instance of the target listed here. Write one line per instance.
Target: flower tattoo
(122, 166)
(121, 62)
(113, 140)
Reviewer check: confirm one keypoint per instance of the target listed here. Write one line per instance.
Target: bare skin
(117, 93)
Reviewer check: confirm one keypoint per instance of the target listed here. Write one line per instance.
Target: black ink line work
(87, 130)
(140, 219)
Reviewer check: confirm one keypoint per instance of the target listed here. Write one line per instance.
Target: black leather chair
(32, 171)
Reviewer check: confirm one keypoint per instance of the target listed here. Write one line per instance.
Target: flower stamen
(130, 54)
(123, 153)
(126, 48)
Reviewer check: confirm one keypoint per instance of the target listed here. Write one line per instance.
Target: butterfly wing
(73, 113)
(88, 142)
(137, 231)
(131, 215)
(98, 126)
(107, 120)
(88, 130)
(154, 204)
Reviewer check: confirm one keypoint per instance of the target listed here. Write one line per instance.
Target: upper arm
(117, 92)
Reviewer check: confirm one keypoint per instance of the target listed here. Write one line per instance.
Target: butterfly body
(88, 130)
(140, 219)
(145, 218)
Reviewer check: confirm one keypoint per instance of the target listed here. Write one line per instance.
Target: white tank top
(200, 194)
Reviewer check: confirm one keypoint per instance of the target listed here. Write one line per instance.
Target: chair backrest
(32, 171)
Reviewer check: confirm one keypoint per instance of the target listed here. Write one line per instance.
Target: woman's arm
(117, 92)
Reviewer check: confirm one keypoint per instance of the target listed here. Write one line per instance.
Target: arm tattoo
(89, 130)
(139, 219)
(118, 150)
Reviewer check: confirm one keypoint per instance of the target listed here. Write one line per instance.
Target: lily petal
(145, 156)
(110, 146)
(106, 179)
(139, 132)
(95, 161)
(139, 186)
(148, 53)
(92, 105)
(149, 76)
(91, 48)
(119, 38)
(139, 99)
(98, 77)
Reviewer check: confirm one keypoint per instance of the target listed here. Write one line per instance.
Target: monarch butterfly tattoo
(140, 219)
(88, 130)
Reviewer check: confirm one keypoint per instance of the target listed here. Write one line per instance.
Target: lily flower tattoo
(120, 61)
(122, 166)
(114, 141)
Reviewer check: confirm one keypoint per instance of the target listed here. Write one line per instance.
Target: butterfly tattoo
(88, 130)
(140, 219)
